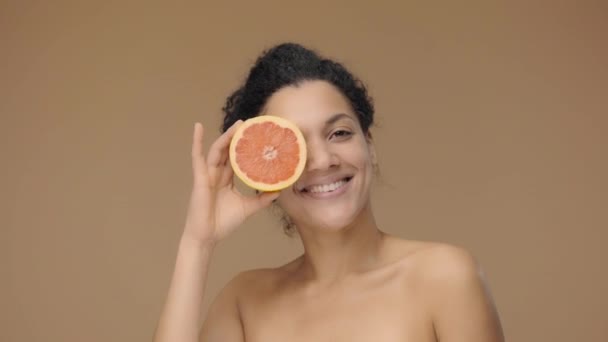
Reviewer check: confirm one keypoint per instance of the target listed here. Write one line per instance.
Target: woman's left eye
(341, 134)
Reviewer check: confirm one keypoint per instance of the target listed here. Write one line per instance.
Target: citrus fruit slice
(268, 153)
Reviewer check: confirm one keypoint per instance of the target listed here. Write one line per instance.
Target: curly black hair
(290, 64)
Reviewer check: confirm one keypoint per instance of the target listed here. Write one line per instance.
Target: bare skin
(409, 296)
(354, 282)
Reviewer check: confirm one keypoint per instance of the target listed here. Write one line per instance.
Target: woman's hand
(216, 207)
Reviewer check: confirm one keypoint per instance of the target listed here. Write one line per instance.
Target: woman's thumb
(261, 201)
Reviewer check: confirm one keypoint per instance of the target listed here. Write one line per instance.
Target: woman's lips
(317, 191)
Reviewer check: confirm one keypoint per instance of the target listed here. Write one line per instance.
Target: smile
(324, 190)
(327, 187)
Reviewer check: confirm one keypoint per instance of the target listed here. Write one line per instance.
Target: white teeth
(327, 187)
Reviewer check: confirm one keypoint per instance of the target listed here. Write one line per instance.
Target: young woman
(353, 282)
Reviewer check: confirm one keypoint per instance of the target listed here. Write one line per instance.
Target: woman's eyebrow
(336, 117)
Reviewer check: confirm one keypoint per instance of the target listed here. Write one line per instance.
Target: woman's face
(335, 186)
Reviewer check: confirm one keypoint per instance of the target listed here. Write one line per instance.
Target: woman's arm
(179, 320)
(216, 208)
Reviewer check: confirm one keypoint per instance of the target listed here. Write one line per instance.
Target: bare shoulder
(448, 262)
(437, 267)
(435, 261)
(251, 281)
(454, 288)
(261, 281)
(224, 321)
(436, 257)
(430, 261)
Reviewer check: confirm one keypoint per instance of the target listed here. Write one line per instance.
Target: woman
(353, 282)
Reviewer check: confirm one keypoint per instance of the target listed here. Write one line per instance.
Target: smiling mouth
(326, 188)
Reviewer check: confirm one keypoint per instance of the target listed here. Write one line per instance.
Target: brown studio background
(492, 135)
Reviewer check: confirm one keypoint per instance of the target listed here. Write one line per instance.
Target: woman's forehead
(310, 104)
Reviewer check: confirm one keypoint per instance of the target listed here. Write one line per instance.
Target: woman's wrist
(192, 243)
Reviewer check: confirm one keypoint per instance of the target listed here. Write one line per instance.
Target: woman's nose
(320, 157)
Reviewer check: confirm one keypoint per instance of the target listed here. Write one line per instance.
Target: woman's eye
(341, 134)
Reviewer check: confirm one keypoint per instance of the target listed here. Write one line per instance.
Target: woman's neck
(331, 256)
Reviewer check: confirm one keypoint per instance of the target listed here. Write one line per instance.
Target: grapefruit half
(268, 153)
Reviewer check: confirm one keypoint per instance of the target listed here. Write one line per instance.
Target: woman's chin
(333, 218)
(332, 224)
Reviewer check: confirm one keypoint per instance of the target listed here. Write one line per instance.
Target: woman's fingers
(227, 174)
(252, 204)
(218, 154)
(198, 158)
